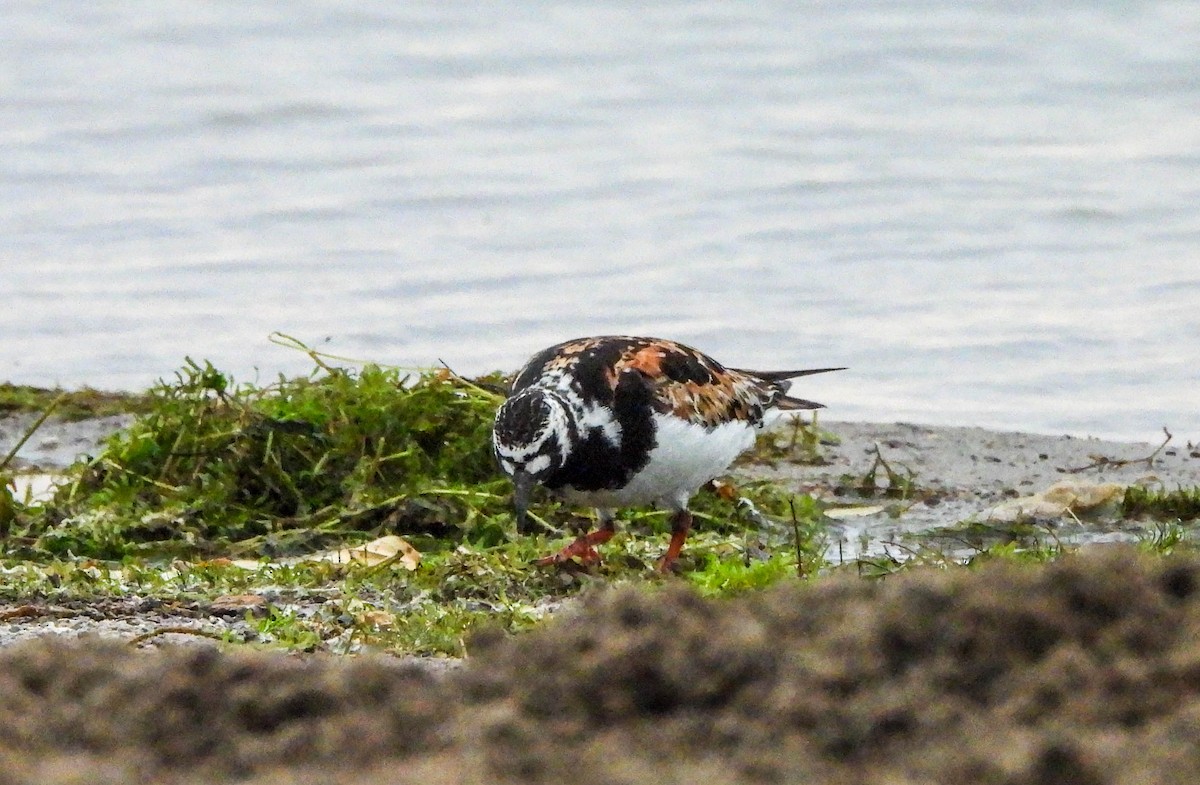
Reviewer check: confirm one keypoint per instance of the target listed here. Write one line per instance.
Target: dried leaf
(726, 490)
(377, 618)
(373, 552)
(1064, 497)
(370, 554)
(854, 512)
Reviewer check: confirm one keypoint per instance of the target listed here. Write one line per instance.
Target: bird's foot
(586, 554)
(583, 548)
(680, 523)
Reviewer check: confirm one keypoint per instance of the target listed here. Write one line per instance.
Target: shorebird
(617, 421)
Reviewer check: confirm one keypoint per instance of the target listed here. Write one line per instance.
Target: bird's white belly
(685, 457)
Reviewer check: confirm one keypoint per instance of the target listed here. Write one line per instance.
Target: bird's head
(532, 437)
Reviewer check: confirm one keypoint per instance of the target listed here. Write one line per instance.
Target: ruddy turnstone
(617, 421)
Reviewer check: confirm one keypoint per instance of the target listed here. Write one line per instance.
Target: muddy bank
(996, 463)
(945, 457)
(57, 442)
(958, 474)
(1085, 671)
(963, 473)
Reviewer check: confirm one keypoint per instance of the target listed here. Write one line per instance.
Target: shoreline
(958, 474)
(955, 475)
(968, 474)
(949, 456)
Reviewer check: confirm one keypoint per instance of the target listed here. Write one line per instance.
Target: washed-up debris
(863, 511)
(390, 548)
(1069, 497)
(1100, 461)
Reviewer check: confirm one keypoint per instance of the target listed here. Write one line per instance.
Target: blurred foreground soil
(1082, 671)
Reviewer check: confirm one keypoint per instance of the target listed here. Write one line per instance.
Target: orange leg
(583, 546)
(681, 522)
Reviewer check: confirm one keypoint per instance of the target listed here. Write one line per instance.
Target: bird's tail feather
(780, 376)
(786, 402)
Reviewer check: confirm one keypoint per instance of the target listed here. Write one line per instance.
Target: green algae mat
(220, 490)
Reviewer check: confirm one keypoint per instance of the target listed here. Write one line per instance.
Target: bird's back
(681, 380)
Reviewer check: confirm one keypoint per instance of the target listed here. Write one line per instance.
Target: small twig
(290, 342)
(796, 532)
(1104, 462)
(897, 486)
(140, 639)
(540, 521)
(30, 611)
(963, 542)
(1054, 535)
(45, 415)
(492, 391)
(912, 552)
(283, 339)
(34, 611)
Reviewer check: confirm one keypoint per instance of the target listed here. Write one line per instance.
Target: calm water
(990, 211)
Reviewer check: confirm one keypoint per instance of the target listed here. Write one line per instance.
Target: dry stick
(139, 639)
(1103, 462)
(796, 532)
(34, 611)
(880, 461)
(493, 391)
(1054, 535)
(913, 552)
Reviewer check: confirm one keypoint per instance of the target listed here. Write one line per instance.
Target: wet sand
(963, 474)
(994, 464)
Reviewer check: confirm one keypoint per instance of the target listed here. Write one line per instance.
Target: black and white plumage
(617, 421)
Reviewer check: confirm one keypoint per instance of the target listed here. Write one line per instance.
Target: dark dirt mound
(197, 709)
(1082, 671)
